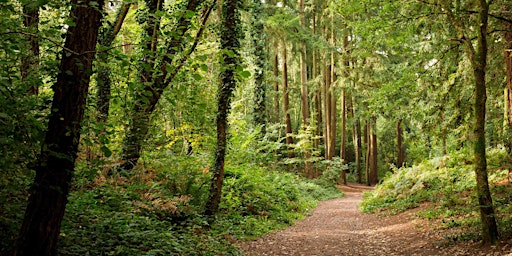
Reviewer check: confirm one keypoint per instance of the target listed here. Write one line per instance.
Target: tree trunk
(260, 90)
(507, 27)
(47, 202)
(358, 149)
(286, 104)
(374, 175)
(230, 44)
(327, 111)
(147, 98)
(30, 63)
(304, 92)
(343, 147)
(399, 146)
(277, 109)
(103, 80)
(368, 152)
(487, 216)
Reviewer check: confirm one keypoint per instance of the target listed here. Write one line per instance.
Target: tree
(478, 59)
(230, 59)
(103, 79)
(157, 73)
(30, 63)
(47, 202)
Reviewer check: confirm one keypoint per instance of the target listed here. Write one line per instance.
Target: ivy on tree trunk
(230, 61)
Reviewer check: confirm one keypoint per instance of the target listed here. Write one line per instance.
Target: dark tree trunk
(374, 175)
(229, 42)
(277, 109)
(260, 90)
(343, 146)
(41, 224)
(368, 160)
(286, 105)
(399, 146)
(30, 63)
(147, 98)
(487, 216)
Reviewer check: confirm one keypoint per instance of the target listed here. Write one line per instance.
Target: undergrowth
(445, 188)
(157, 210)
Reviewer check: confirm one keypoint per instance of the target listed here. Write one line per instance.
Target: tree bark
(30, 62)
(304, 92)
(399, 146)
(374, 175)
(343, 146)
(286, 104)
(277, 108)
(507, 27)
(47, 202)
(230, 45)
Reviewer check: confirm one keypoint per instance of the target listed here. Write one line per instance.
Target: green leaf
(197, 77)
(106, 151)
(245, 74)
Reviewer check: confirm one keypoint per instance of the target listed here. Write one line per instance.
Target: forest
(161, 127)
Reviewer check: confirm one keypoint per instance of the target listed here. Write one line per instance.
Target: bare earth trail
(337, 227)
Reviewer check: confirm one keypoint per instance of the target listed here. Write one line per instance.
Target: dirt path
(337, 227)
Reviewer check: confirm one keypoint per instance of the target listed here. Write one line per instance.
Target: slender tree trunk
(358, 149)
(399, 146)
(304, 92)
(489, 226)
(327, 112)
(230, 43)
(30, 63)
(286, 104)
(374, 175)
(277, 109)
(343, 147)
(47, 202)
(368, 152)
(333, 111)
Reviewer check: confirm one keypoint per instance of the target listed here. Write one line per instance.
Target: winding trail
(337, 227)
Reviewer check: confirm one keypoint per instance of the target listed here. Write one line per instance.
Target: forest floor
(337, 227)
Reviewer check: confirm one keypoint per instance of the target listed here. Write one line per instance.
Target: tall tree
(230, 61)
(157, 75)
(47, 202)
(477, 54)
(286, 102)
(260, 88)
(304, 89)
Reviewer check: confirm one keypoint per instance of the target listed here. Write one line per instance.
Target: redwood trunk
(47, 202)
